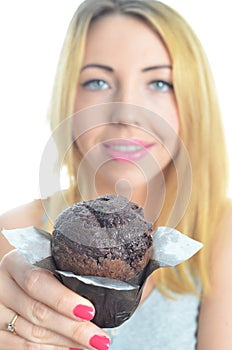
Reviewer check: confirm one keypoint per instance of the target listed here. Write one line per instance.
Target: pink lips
(126, 150)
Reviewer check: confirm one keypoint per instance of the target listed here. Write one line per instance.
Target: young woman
(135, 100)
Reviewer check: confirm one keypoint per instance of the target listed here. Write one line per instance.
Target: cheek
(81, 133)
(172, 120)
(167, 109)
(172, 115)
(175, 123)
(82, 144)
(174, 137)
(86, 141)
(175, 118)
(168, 130)
(79, 100)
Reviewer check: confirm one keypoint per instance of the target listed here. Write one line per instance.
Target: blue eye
(161, 85)
(95, 84)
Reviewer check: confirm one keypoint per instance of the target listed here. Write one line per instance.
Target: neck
(149, 196)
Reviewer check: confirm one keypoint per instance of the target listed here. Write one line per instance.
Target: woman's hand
(50, 316)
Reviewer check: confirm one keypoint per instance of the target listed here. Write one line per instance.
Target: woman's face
(126, 62)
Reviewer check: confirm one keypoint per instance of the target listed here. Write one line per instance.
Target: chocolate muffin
(106, 237)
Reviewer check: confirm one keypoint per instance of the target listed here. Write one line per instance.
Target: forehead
(117, 34)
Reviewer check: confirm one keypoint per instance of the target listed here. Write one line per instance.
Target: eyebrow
(109, 69)
(95, 65)
(156, 67)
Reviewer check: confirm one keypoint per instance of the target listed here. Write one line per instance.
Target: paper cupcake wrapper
(115, 301)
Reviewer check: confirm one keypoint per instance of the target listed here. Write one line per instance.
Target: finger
(33, 333)
(43, 286)
(85, 333)
(11, 342)
(44, 323)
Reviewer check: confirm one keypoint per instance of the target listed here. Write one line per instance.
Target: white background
(31, 35)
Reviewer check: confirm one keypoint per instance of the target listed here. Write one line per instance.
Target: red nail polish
(100, 342)
(83, 311)
(75, 349)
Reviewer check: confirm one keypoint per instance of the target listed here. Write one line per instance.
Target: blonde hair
(201, 129)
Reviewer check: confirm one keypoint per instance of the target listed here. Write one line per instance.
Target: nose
(125, 109)
(125, 113)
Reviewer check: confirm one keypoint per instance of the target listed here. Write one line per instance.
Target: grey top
(159, 323)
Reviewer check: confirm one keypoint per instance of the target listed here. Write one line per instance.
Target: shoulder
(220, 257)
(216, 305)
(29, 214)
(222, 243)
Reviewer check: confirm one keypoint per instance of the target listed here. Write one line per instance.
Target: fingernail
(100, 342)
(75, 349)
(83, 311)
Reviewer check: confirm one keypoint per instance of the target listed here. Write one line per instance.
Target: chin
(122, 176)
